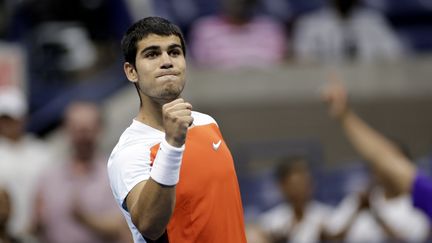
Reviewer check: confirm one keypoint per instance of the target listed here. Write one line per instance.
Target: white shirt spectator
(217, 43)
(21, 164)
(398, 213)
(278, 221)
(365, 36)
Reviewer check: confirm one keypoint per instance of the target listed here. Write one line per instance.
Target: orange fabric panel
(153, 151)
(208, 204)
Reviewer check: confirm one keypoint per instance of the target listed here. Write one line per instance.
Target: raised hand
(177, 117)
(335, 95)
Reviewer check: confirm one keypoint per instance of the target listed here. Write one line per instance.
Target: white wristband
(166, 166)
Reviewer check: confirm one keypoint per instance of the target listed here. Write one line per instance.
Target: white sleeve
(341, 215)
(127, 167)
(410, 223)
(276, 221)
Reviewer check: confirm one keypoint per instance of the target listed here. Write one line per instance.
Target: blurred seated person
(345, 31)
(74, 200)
(386, 212)
(23, 158)
(299, 218)
(379, 213)
(237, 38)
(5, 211)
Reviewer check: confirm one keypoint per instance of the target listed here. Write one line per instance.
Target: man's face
(297, 187)
(159, 68)
(83, 128)
(11, 128)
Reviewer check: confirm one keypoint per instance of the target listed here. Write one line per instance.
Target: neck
(390, 193)
(299, 212)
(236, 21)
(81, 167)
(14, 139)
(150, 113)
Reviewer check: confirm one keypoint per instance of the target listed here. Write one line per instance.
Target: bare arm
(379, 151)
(109, 226)
(151, 203)
(340, 236)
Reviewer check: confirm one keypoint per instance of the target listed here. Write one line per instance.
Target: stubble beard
(167, 94)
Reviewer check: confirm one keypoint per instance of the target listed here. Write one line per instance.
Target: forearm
(152, 202)
(154, 208)
(109, 227)
(378, 151)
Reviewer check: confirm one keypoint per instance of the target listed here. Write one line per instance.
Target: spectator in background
(104, 20)
(345, 31)
(22, 158)
(74, 201)
(237, 38)
(5, 211)
(395, 172)
(72, 37)
(299, 218)
(71, 45)
(381, 213)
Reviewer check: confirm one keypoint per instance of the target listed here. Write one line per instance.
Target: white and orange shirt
(208, 204)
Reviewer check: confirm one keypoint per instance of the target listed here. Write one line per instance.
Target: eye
(175, 52)
(151, 54)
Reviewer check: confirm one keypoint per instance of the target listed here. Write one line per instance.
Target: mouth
(167, 74)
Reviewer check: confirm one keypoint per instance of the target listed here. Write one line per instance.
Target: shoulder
(201, 119)
(137, 137)
(321, 209)
(266, 21)
(130, 161)
(53, 175)
(133, 149)
(280, 211)
(275, 218)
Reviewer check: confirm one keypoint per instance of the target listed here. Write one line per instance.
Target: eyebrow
(173, 46)
(155, 48)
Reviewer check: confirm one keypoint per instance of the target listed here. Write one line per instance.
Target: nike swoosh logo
(216, 145)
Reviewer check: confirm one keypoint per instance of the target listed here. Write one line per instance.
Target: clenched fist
(177, 117)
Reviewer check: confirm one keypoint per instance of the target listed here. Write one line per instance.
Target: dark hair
(289, 165)
(143, 28)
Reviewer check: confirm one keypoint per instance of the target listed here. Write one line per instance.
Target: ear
(130, 72)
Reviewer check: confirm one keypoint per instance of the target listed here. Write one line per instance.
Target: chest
(207, 163)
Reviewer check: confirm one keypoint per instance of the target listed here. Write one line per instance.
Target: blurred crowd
(71, 47)
(72, 63)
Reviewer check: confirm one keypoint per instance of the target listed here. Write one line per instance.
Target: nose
(166, 61)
